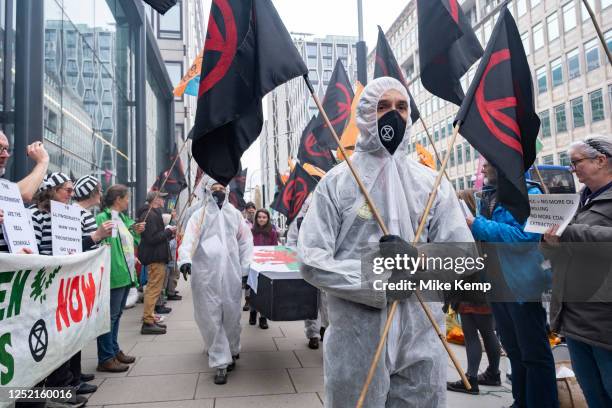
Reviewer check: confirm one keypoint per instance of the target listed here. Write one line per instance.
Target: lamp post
(362, 66)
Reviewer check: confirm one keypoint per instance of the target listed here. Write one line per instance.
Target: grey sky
(323, 17)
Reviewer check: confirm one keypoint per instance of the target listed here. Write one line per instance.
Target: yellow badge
(364, 212)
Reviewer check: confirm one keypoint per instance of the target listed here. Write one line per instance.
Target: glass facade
(88, 86)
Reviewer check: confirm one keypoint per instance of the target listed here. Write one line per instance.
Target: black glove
(390, 246)
(186, 270)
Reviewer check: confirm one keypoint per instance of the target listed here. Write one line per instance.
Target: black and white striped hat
(53, 180)
(85, 186)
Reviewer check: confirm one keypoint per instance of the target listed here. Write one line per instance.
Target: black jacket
(584, 267)
(154, 239)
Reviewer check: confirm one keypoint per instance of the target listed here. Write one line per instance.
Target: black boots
(488, 378)
(221, 376)
(253, 318)
(263, 323)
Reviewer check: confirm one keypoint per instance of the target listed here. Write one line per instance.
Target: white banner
(17, 225)
(271, 259)
(50, 308)
(66, 228)
(548, 210)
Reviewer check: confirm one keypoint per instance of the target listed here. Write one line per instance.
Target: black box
(285, 296)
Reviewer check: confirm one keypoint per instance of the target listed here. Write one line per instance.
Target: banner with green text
(50, 308)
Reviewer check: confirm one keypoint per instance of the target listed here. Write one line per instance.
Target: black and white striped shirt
(3, 245)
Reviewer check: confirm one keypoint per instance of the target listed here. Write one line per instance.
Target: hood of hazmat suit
(218, 244)
(339, 226)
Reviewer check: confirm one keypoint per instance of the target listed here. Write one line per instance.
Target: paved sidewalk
(276, 368)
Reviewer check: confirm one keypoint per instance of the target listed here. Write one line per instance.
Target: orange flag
(349, 136)
(425, 157)
(191, 80)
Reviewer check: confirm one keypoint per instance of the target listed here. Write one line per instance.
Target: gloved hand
(186, 270)
(390, 246)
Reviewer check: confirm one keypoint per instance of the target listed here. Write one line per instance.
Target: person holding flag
(339, 227)
(217, 247)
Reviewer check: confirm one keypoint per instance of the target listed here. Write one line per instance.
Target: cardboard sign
(17, 225)
(66, 229)
(548, 210)
(52, 307)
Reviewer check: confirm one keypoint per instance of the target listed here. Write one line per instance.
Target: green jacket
(120, 274)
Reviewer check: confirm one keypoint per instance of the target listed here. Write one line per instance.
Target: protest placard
(548, 210)
(66, 228)
(52, 306)
(17, 225)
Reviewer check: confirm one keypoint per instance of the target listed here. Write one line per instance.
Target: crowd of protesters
(144, 253)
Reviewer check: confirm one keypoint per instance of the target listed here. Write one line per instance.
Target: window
(313, 75)
(534, 3)
(549, 160)
(521, 7)
(326, 50)
(436, 133)
(326, 76)
(560, 118)
(452, 158)
(552, 23)
(556, 72)
(597, 108)
(583, 10)
(573, 64)
(342, 50)
(545, 123)
(541, 79)
(476, 154)
(461, 183)
(525, 41)
(569, 16)
(311, 49)
(459, 154)
(175, 72)
(608, 39)
(577, 112)
(170, 25)
(327, 62)
(591, 54)
(564, 159)
(605, 4)
(312, 61)
(538, 36)
(442, 132)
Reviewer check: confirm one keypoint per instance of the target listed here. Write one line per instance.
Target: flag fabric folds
(425, 157)
(311, 152)
(386, 65)
(293, 194)
(337, 104)
(498, 114)
(351, 132)
(190, 83)
(241, 64)
(161, 6)
(447, 47)
(237, 186)
(176, 177)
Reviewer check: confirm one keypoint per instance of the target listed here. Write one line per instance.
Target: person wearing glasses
(586, 325)
(28, 186)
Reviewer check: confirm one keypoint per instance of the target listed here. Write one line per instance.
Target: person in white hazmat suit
(216, 251)
(339, 227)
(312, 328)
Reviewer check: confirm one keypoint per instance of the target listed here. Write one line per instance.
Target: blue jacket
(521, 264)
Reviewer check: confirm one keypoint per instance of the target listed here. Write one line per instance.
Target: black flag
(176, 177)
(241, 64)
(161, 5)
(386, 65)
(295, 191)
(447, 48)
(337, 104)
(237, 186)
(498, 114)
(311, 152)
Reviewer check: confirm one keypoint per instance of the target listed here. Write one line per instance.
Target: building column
(140, 183)
(29, 81)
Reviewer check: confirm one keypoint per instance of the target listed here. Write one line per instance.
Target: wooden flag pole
(537, 171)
(426, 309)
(598, 29)
(432, 144)
(159, 190)
(385, 230)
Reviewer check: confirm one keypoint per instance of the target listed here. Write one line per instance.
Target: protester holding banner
(264, 233)
(122, 275)
(587, 326)
(521, 324)
(219, 245)
(339, 227)
(57, 187)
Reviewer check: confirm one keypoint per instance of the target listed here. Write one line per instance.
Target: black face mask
(219, 197)
(391, 128)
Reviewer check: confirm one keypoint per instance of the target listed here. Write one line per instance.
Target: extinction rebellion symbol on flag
(39, 340)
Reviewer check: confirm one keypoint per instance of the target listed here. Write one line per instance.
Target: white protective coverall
(312, 328)
(337, 230)
(221, 245)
